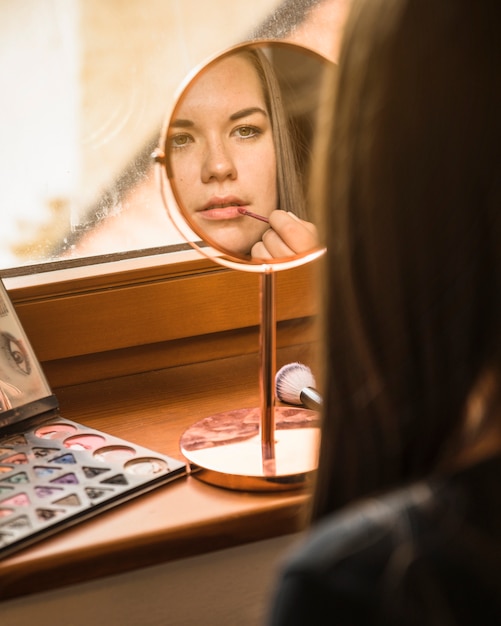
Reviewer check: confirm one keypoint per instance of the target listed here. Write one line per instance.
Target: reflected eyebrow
(249, 111)
(182, 123)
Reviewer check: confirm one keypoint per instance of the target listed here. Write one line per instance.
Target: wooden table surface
(177, 520)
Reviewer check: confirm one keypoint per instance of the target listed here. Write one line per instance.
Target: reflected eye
(16, 353)
(180, 140)
(247, 132)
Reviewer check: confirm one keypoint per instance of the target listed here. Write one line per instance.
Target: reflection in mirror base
(225, 450)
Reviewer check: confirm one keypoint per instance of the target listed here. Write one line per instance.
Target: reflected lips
(221, 208)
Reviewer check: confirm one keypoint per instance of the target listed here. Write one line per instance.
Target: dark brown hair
(409, 184)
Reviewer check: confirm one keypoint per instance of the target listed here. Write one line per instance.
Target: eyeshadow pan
(67, 479)
(20, 523)
(16, 440)
(71, 500)
(55, 431)
(84, 442)
(145, 466)
(22, 477)
(119, 479)
(19, 499)
(42, 491)
(16, 459)
(95, 493)
(45, 471)
(115, 453)
(41, 453)
(49, 514)
(65, 459)
(92, 472)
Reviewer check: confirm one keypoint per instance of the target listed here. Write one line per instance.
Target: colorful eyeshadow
(55, 431)
(15, 440)
(115, 454)
(144, 466)
(84, 442)
(119, 479)
(46, 492)
(94, 493)
(41, 453)
(22, 477)
(71, 500)
(19, 523)
(20, 499)
(48, 514)
(55, 472)
(45, 471)
(16, 459)
(92, 472)
(64, 459)
(67, 479)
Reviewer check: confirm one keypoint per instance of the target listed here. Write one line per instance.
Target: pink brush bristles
(244, 211)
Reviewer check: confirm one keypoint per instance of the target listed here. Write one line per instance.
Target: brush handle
(311, 398)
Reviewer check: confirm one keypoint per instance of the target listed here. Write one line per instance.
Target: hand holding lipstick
(287, 236)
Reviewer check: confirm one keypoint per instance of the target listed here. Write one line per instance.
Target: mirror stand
(238, 138)
(268, 448)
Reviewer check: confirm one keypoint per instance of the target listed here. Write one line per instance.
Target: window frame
(121, 317)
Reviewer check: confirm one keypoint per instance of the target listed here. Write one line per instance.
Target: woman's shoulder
(358, 562)
(340, 566)
(425, 512)
(366, 531)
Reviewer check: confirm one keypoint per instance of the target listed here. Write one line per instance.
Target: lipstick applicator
(244, 211)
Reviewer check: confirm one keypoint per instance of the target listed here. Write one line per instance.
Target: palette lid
(24, 390)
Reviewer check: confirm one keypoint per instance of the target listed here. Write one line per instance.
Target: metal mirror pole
(267, 370)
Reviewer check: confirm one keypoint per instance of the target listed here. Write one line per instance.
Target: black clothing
(428, 554)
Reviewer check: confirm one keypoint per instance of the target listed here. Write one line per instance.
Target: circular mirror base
(226, 450)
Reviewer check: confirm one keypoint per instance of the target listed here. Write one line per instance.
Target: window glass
(85, 88)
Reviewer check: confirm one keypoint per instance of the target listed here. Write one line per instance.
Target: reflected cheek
(185, 184)
(264, 180)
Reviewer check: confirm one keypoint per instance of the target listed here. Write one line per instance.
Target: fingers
(287, 237)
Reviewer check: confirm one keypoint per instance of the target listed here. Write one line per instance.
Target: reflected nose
(218, 163)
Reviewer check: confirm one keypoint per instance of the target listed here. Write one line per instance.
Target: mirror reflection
(237, 151)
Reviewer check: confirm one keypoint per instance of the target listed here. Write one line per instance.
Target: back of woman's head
(410, 181)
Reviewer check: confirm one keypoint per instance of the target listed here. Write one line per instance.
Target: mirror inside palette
(55, 472)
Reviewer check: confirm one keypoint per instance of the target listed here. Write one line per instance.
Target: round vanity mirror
(235, 156)
(235, 161)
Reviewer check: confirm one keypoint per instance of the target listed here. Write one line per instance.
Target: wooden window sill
(182, 519)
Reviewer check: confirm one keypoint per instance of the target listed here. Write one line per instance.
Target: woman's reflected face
(222, 154)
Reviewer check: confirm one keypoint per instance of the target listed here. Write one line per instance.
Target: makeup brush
(243, 211)
(295, 384)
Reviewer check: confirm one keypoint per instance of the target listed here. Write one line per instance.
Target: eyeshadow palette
(55, 472)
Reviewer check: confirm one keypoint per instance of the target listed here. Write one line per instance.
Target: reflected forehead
(230, 89)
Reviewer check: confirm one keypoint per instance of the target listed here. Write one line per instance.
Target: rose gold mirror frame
(267, 448)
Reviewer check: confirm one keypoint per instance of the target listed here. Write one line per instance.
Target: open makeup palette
(54, 472)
